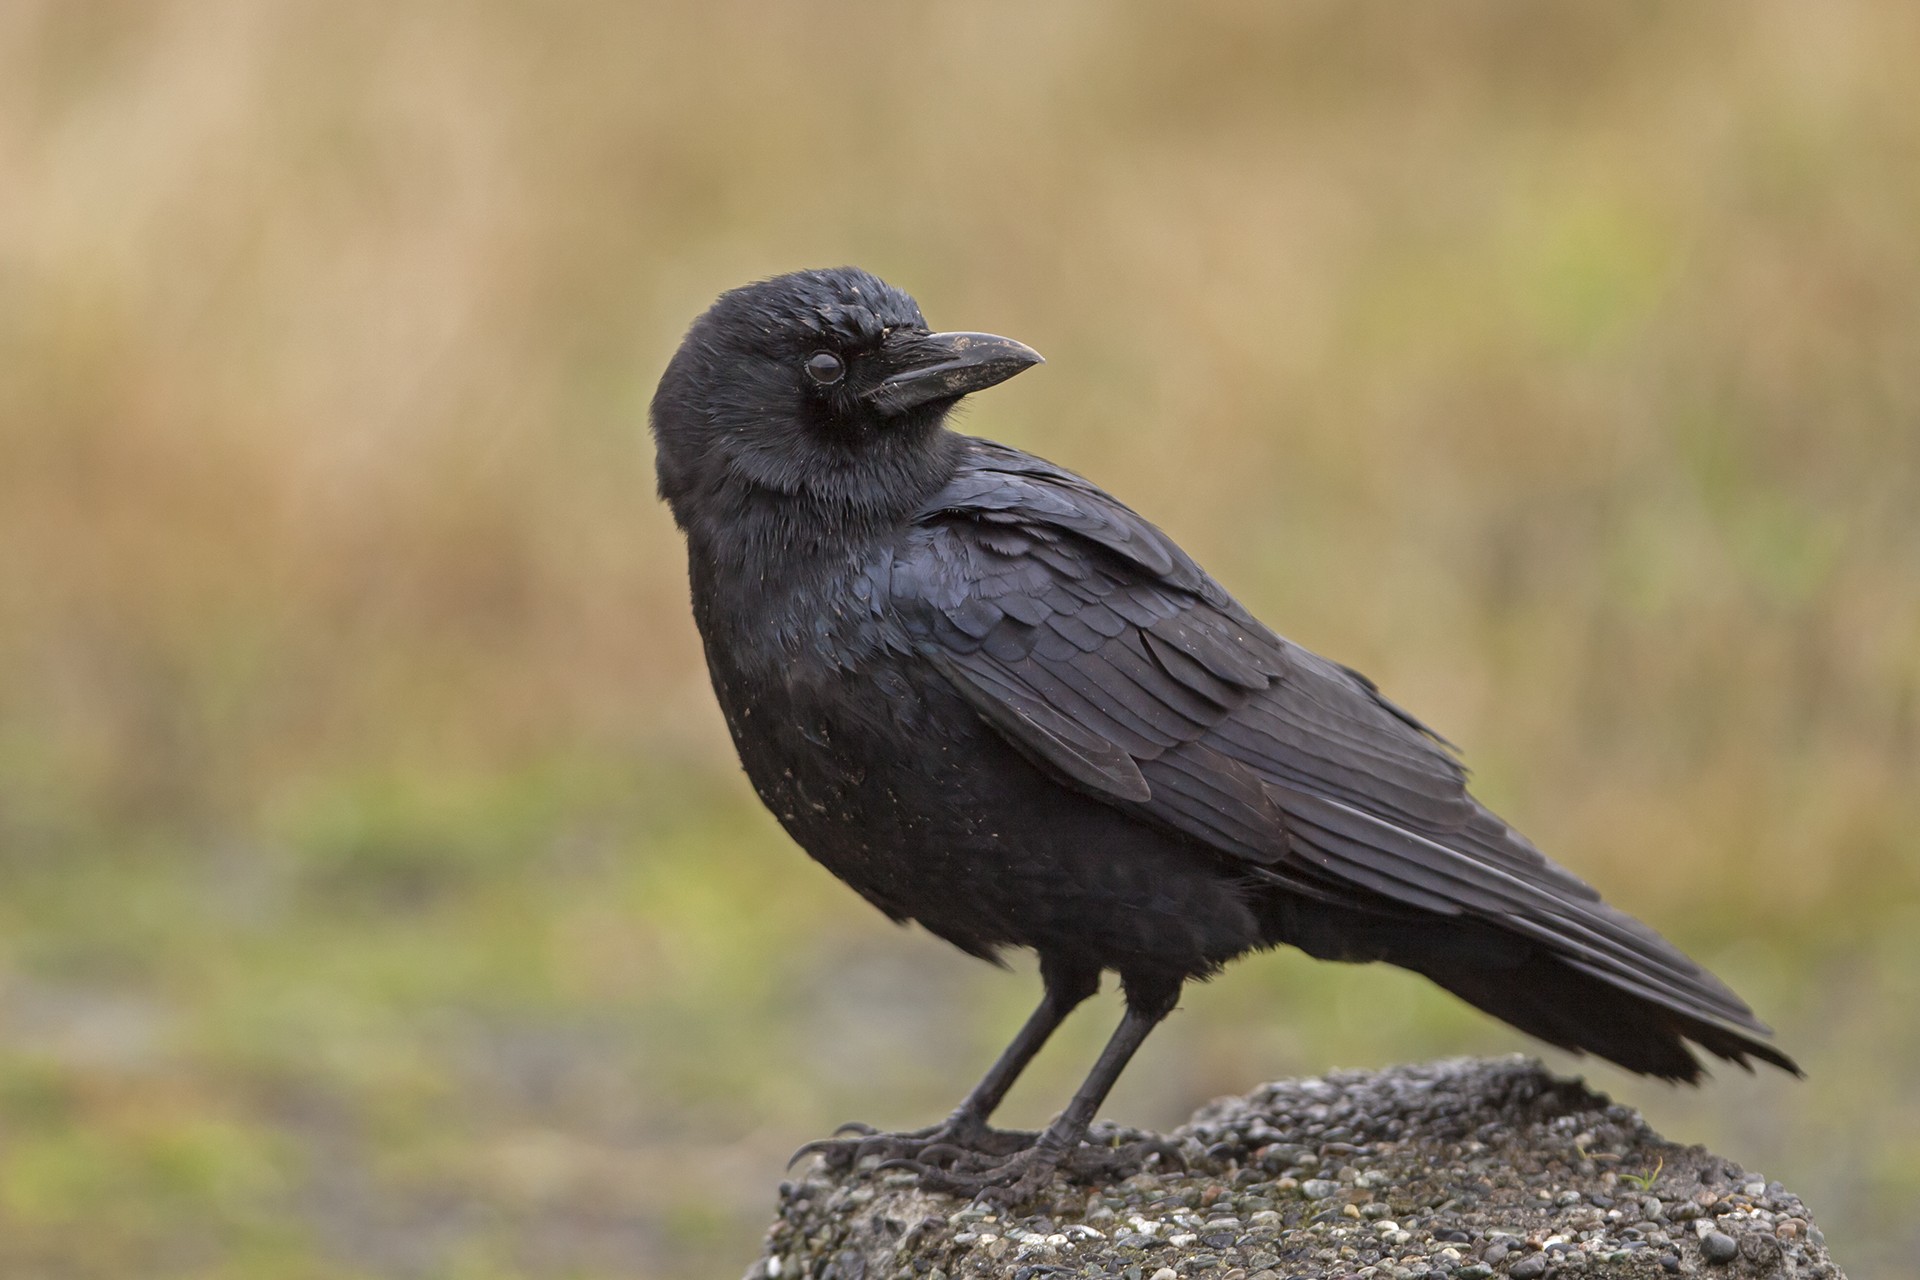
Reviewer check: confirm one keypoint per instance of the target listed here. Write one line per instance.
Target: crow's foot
(1017, 1178)
(947, 1143)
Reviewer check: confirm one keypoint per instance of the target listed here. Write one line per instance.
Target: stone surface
(1459, 1170)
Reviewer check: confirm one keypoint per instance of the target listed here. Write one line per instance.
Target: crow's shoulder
(998, 485)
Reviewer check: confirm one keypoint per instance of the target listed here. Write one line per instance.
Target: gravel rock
(1463, 1168)
(1718, 1246)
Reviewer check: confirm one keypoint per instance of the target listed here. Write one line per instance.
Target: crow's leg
(966, 1131)
(1024, 1173)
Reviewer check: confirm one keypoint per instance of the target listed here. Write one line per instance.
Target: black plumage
(996, 701)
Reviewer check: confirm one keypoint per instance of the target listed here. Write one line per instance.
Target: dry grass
(381, 897)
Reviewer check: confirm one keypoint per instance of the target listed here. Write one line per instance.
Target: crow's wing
(1101, 651)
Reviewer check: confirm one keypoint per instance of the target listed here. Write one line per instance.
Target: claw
(1010, 1182)
(932, 1154)
(1006, 1166)
(832, 1150)
(1009, 1196)
(933, 1179)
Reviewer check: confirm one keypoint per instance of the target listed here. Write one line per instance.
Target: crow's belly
(931, 816)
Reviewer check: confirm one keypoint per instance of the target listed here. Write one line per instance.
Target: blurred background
(379, 896)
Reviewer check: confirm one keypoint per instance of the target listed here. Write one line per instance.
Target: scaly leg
(966, 1129)
(1026, 1172)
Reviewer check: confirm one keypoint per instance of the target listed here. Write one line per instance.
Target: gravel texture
(1463, 1169)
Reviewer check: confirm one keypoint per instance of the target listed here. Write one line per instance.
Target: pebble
(1718, 1246)
(1531, 1267)
(1166, 1273)
(1318, 1188)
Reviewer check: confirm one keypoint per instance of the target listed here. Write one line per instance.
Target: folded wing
(1099, 649)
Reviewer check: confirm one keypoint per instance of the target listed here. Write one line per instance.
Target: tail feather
(1552, 1001)
(1523, 982)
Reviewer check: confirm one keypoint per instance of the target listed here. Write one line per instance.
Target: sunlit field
(378, 893)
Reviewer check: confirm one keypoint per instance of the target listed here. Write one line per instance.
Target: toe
(824, 1147)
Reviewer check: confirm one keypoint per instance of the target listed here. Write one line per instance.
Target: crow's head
(822, 384)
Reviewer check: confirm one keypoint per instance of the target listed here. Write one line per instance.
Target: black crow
(994, 700)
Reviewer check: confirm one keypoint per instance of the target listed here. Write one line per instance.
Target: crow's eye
(826, 368)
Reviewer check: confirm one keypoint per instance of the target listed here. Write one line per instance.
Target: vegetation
(380, 896)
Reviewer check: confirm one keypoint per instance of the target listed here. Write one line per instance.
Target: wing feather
(1096, 646)
(1086, 757)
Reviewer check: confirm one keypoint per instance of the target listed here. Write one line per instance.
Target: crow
(996, 702)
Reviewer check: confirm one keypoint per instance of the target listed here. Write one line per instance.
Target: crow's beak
(921, 367)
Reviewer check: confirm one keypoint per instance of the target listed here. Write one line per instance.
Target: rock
(1718, 1246)
(1466, 1169)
